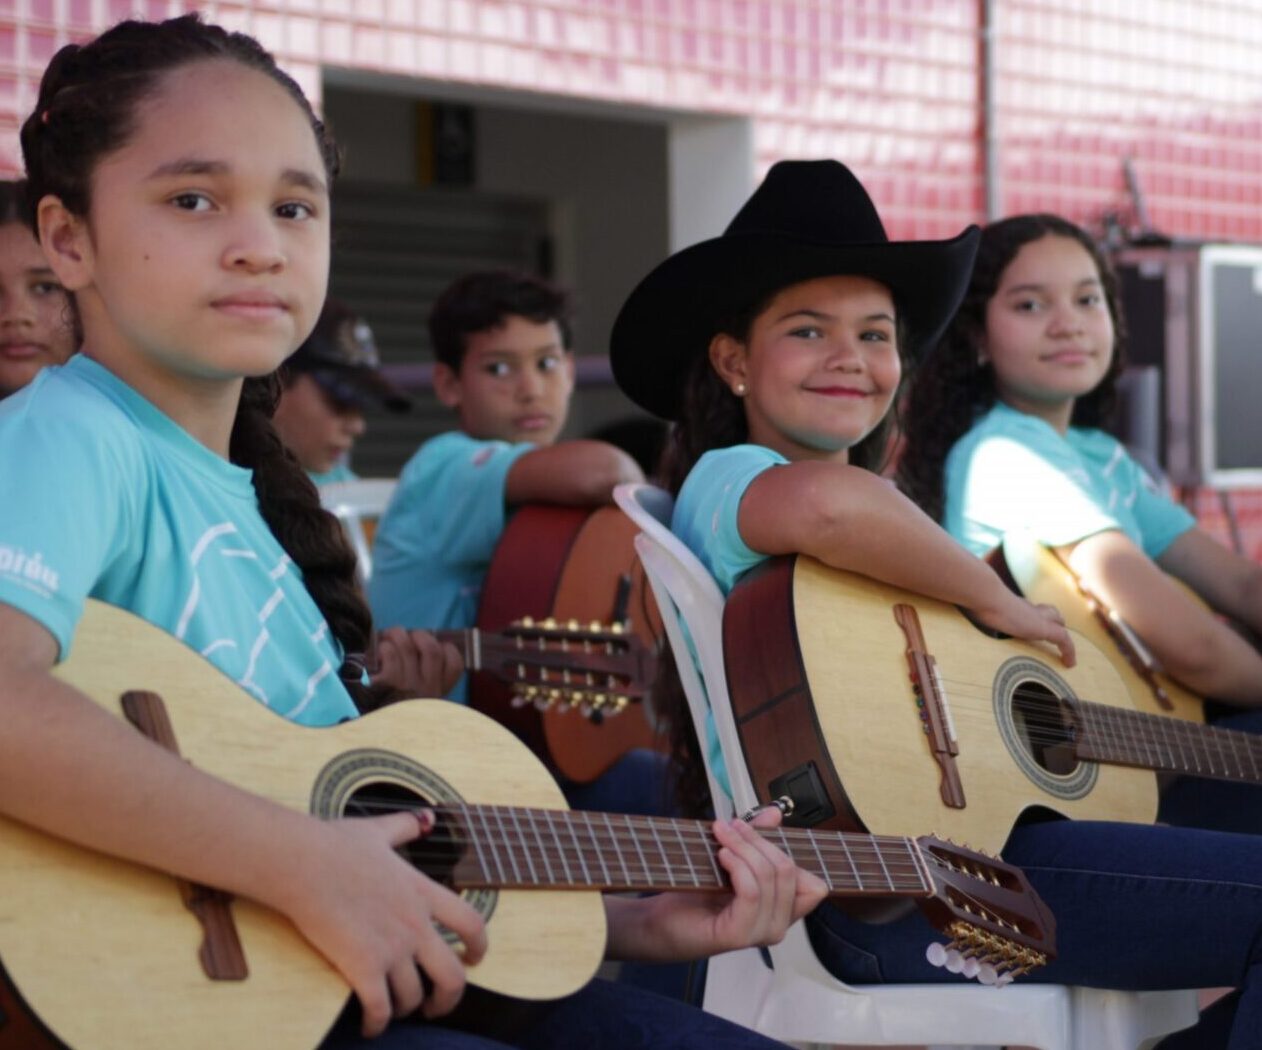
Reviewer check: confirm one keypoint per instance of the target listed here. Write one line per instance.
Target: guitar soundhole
(436, 854)
(1041, 720)
(1032, 714)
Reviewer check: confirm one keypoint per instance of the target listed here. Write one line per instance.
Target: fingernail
(426, 819)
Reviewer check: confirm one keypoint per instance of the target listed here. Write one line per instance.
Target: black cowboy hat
(808, 219)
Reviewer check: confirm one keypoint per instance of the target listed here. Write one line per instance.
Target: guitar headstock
(597, 668)
(999, 927)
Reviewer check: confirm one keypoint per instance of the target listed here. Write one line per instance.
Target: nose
(844, 355)
(1064, 320)
(529, 384)
(353, 423)
(16, 309)
(254, 245)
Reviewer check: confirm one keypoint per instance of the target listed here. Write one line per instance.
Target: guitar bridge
(935, 714)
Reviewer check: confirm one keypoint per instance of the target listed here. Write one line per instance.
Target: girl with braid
(180, 188)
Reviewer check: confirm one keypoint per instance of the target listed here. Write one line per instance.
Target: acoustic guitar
(873, 707)
(102, 954)
(1040, 574)
(573, 565)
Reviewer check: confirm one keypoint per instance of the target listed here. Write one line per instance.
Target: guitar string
(1127, 725)
(881, 851)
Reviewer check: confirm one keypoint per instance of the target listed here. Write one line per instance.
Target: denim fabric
(1136, 907)
(601, 1015)
(1193, 802)
(638, 783)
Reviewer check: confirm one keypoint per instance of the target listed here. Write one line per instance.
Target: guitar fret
(491, 841)
(504, 838)
(591, 835)
(711, 856)
(477, 843)
(617, 848)
(522, 844)
(823, 868)
(532, 817)
(578, 849)
(635, 839)
(556, 839)
(692, 872)
(661, 849)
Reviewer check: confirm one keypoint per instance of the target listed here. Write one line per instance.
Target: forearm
(580, 473)
(71, 769)
(638, 933)
(863, 524)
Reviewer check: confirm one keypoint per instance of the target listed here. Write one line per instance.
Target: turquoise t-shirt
(103, 496)
(341, 472)
(706, 519)
(1013, 471)
(434, 543)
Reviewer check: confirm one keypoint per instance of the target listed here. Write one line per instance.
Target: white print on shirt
(29, 571)
(205, 545)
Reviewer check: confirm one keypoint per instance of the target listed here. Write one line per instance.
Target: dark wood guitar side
(569, 563)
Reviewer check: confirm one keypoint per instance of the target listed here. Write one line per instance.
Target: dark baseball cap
(341, 355)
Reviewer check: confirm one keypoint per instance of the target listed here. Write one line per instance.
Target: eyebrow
(198, 166)
(1042, 287)
(820, 315)
(505, 352)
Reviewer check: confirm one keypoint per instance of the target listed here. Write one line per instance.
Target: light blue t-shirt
(341, 472)
(103, 496)
(706, 519)
(434, 543)
(1014, 472)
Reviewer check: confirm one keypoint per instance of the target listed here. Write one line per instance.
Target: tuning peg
(526, 621)
(936, 954)
(518, 700)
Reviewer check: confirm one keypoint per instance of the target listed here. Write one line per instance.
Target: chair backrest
(357, 504)
(691, 605)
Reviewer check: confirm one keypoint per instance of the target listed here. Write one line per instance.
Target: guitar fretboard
(1170, 745)
(504, 846)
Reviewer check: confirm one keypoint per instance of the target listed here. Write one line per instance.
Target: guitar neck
(1168, 745)
(513, 847)
(468, 641)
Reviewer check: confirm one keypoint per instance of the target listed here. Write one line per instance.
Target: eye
(807, 331)
(875, 335)
(1027, 306)
(1091, 299)
(499, 369)
(297, 210)
(190, 201)
(549, 363)
(42, 289)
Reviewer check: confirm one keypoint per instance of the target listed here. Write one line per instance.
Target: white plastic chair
(351, 502)
(795, 999)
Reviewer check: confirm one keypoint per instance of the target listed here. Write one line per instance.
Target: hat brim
(674, 312)
(362, 387)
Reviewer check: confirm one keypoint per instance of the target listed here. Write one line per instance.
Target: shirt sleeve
(708, 510)
(1161, 521)
(1005, 484)
(64, 502)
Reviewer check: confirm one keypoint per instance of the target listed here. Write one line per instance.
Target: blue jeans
(638, 783)
(602, 1015)
(1193, 802)
(1136, 907)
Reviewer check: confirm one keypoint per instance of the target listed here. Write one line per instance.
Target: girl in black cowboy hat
(777, 351)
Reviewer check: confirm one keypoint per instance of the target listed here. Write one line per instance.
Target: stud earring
(739, 390)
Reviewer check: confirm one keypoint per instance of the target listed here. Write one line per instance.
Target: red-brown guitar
(574, 566)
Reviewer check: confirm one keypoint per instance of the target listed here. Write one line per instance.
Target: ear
(730, 360)
(66, 243)
(446, 385)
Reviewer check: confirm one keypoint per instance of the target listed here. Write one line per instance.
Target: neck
(206, 407)
(1056, 413)
(793, 450)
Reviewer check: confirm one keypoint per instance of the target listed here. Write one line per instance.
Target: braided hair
(952, 389)
(87, 107)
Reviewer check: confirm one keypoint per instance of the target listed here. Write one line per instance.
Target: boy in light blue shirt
(504, 366)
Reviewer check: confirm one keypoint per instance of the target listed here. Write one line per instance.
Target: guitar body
(567, 562)
(819, 680)
(1041, 577)
(105, 953)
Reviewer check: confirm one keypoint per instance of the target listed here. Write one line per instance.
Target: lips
(839, 392)
(251, 305)
(532, 422)
(21, 351)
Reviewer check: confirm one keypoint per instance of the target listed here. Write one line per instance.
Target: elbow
(1195, 658)
(614, 467)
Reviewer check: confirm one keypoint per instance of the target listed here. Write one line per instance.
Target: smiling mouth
(839, 392)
